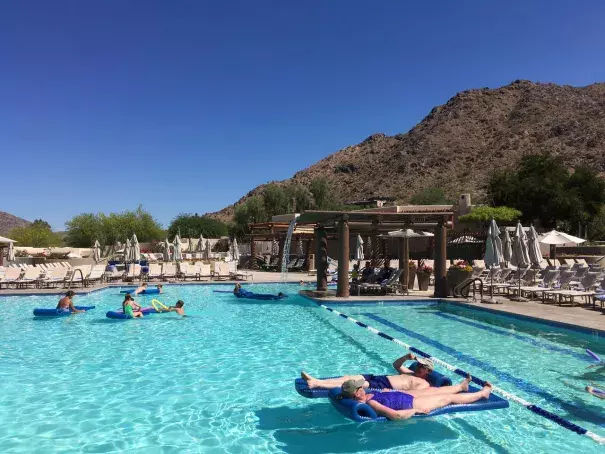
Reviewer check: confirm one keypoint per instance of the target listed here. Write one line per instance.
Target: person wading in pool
(406, 380)
(130, 308)
(403, 405)
(66, 303)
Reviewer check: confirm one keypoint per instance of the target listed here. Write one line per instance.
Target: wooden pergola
(342, 224)
(269, 231)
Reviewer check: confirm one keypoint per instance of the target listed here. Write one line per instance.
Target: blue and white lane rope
(531, 407)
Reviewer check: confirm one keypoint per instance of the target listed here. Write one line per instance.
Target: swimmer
(237, 289)
(141, 288)
(406, 380)
(595, 392)
(130, 308)
(302, 282)
(178, 308)
(160, 288)
(66, 303)
(403, 405)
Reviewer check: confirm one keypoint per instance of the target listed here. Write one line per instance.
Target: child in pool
(178, 308)
(130, 308)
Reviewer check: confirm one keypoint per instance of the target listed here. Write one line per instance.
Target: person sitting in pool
(130, 308)
(403, 405)
(160, 288)
(141, 288)
(406, 380)
(66, 303)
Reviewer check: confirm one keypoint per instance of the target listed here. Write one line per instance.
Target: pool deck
(583, 318)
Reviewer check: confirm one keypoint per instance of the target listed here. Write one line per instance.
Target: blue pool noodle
(42, 312)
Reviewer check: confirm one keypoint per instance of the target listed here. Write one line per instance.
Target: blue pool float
(41, 312)
(245, 294)
(434, 378)
(594, 356)
(120, 315)
(362, 412)
(149, 291)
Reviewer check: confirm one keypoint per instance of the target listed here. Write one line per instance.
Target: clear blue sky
(184, 106)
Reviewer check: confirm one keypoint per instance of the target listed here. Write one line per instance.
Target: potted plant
(423, 273)
(411, 274)
(456, 274)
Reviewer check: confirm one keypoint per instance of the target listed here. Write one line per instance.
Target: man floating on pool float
(141, 288)
(66, 303)
(243, 293)
(405, 381)
(403, 405)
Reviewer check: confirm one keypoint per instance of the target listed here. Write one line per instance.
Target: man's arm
(389, 412)
(400, 368)
(72, 307)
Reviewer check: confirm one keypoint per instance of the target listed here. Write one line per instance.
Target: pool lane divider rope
(531, 407)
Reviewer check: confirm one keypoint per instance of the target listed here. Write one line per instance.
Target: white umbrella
(520, 257)
(200, 244)
(359, 249)
(493, 252)
(11, 252)
(178, 252)
(557, 238)
(127, 251)
(96, 251)
(208, 249)
(535, 255)
(507, 249)
(234, 250)
(135, 253)
(166, 250)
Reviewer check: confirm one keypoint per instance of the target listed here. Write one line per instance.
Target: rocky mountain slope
(9, 222)
(459, 143)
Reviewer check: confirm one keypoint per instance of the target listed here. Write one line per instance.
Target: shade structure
(507, 247)
(96, 251)
(166, 254)
(136, 249)
(200, 244)
(234, 250)
(127, 251)
(533, 247)
(4, 240)
(359, 249)
(405, 235)
(208, 249)
(178, 248)
(11, 252)
(555, 237)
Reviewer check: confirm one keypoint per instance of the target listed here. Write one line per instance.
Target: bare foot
(487, 390)
(305, 376)
(464, 384)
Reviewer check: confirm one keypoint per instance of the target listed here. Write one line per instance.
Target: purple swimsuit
(395, 400)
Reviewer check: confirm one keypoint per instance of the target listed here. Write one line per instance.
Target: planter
(411, 277)
(454, 278)
(423, 280)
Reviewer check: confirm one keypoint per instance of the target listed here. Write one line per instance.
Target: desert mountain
(9, 222)
(459, 143)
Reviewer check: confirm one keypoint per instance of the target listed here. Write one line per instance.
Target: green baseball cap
(350, 387)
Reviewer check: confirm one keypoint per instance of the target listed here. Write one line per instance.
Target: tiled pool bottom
(221, 380)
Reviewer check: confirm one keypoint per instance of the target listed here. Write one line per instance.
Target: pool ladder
(466, 285)
(71, 279)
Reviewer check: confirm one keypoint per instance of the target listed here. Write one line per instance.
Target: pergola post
(440, 260)
(253, 264)
(406, 264)
(400, 255)
(342, 289)
(321, 259)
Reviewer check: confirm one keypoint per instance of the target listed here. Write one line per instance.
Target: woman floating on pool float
(243, 293)
(131, 308)
(404, 405)
(66, 303)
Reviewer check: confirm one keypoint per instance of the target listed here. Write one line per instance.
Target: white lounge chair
(155, 271)
(134, 272)
(11, 276)
(187, 271)
(221, 271)
(31, 276)
(203, 270)
(54, 277)
(169, 270)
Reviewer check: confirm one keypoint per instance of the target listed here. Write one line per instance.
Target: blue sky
(185, 106)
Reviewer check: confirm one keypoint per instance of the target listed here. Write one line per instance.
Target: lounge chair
(133, 273)
(11, 276)
(54, 277)
(75, 277)
(168, 270)
(569, 262)
(586, 289)
(31, 276)
(221, 271)
(188, 271)
(96, 275)
(565, 278)
(155, 271)
(582, 262)
(203, 271)
(113, 275)
(549, 280)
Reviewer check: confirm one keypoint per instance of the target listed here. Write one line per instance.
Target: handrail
(467, 283)
(71, 279)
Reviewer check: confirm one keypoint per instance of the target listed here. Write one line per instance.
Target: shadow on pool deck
(316, 428)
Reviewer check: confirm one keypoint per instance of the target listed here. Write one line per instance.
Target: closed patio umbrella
(166, 253)
(11, 251)
(507, 249)
(127, 251)
(135, 249)
(96, 251)
(535, 255)
(178, 251)
(520, 257)
(200, 244)
(235, 250)
(359, 249)
(493, 253)
(208, 249)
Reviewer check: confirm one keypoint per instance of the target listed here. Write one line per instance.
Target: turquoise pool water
(221, 380)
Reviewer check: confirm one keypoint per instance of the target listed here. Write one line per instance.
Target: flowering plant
(425, 269)
(461, 265)
(412, 264)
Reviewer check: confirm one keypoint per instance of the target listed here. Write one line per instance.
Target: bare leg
(426, 404)
(459, 388)
(330, 383)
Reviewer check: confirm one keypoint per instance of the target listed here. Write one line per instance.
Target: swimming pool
(221, 380)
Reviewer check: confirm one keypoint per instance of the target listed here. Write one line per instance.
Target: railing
(466, 284)
(71, 279)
